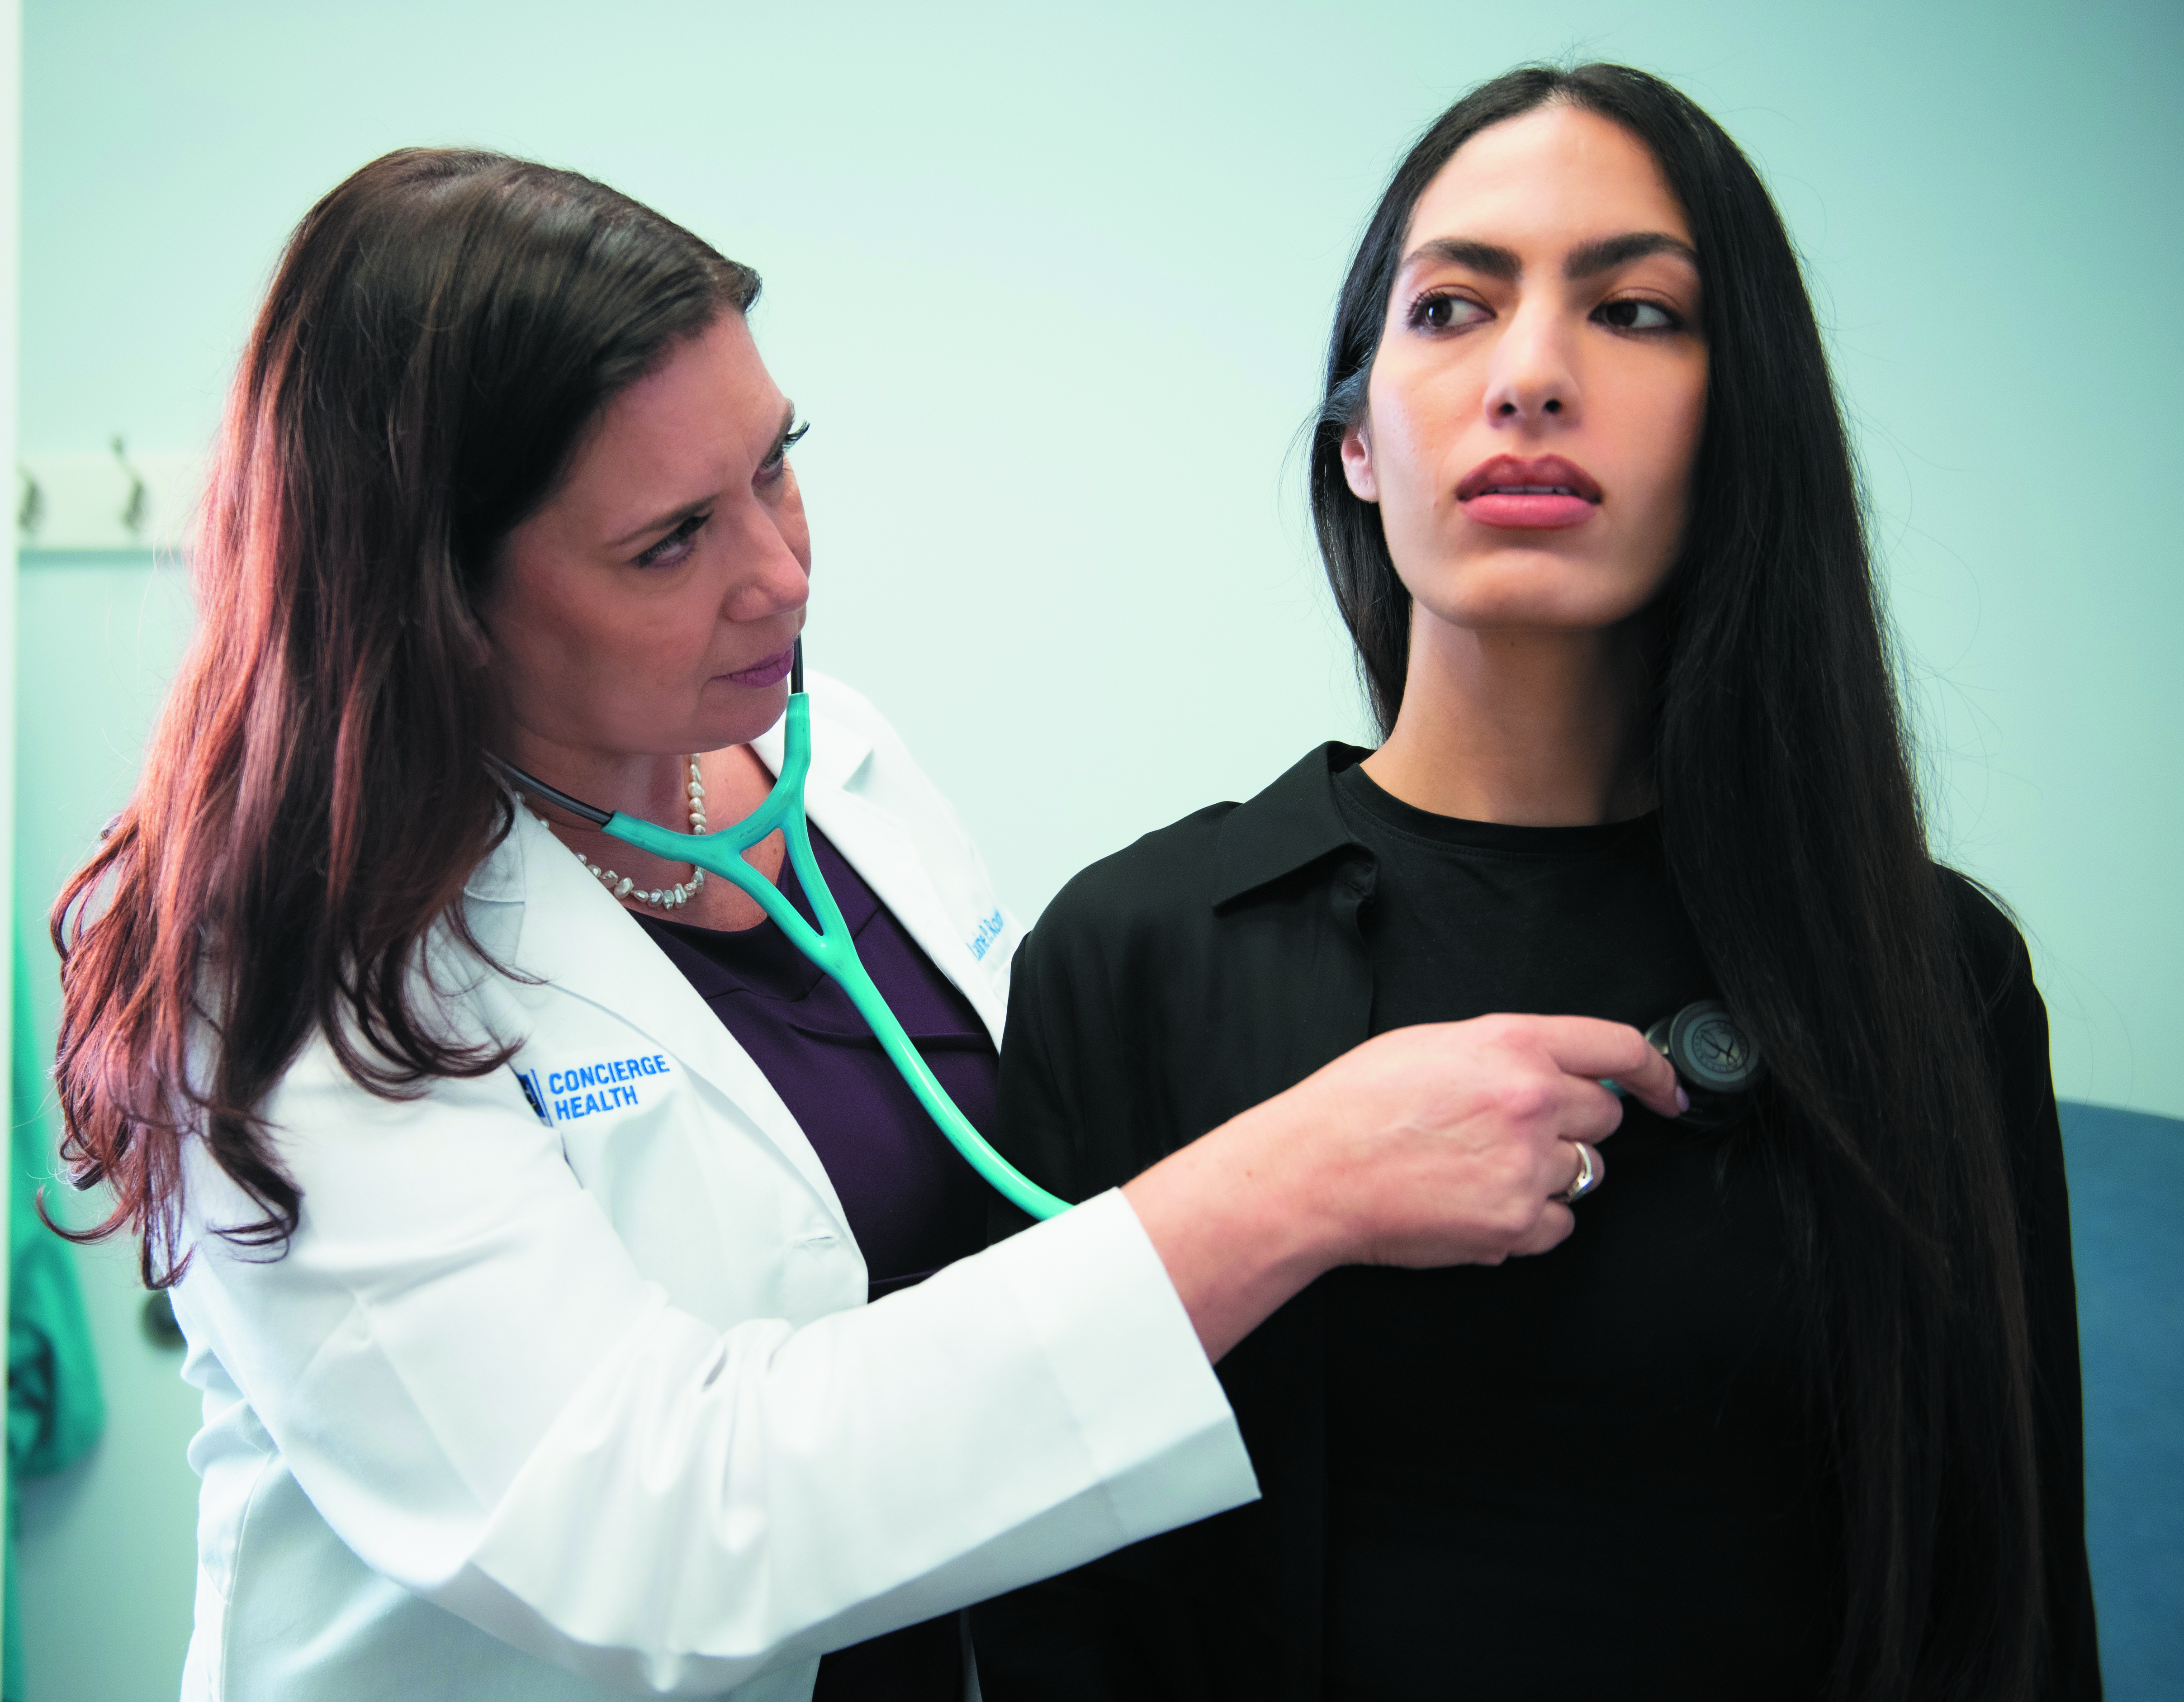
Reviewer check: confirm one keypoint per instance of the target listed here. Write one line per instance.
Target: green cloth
(54, 1409)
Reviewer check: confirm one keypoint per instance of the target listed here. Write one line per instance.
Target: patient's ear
(1357, 463)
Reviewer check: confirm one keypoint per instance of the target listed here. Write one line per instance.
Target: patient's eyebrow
(1460, 251)
(1610, 252)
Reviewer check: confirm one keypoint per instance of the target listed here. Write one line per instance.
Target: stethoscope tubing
(720, 854)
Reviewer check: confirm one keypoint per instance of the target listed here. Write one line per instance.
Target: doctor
(522, 1211)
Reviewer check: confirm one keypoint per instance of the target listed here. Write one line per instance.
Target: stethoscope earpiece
(1715, 1059)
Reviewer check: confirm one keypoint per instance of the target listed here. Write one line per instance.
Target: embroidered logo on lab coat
(989, 929)
(608, 1084)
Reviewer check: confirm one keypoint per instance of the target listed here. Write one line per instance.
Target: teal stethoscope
(1713, 1056)
(831, 947)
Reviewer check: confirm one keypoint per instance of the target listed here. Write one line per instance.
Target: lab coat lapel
(576, 938)
(875, 844)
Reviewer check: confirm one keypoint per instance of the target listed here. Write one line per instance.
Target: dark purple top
(913, 1203)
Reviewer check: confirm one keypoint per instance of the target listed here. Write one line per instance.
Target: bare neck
(1538, 729)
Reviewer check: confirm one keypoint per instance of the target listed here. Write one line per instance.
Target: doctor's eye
(1445, 311)
(676, 545)
(1629, 314)
(770, 468)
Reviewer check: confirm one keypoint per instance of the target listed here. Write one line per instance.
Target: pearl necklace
(661, 897)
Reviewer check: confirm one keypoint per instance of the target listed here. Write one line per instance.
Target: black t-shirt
(1623, 1415)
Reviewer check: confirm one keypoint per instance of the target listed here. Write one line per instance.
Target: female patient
(1795, 1411)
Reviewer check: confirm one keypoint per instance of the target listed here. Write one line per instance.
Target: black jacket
(1210, 965)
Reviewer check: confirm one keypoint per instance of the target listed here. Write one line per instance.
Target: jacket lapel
(875, 844)
(577, 940)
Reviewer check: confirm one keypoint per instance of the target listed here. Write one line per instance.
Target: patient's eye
(1446, 311)
(1630, 314)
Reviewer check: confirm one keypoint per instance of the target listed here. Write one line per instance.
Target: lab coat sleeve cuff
(751, 1499)
(1127, 1358)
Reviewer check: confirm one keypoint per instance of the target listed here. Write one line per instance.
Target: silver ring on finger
(1586, 1179)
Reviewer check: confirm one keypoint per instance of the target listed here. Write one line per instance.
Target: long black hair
(1793, 832)
(442, 331)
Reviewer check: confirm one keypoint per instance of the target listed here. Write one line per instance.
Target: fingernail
(1683, 1100)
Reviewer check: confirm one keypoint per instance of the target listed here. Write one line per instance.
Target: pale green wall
(119, 1529)
(11, 135)
(1053, 283)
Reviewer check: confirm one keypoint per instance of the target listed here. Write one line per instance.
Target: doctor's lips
(1545, 493)
(772, 670)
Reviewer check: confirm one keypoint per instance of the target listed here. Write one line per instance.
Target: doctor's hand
(1442, 1144)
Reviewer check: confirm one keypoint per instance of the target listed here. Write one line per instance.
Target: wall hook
(135, 510)
(31, 510)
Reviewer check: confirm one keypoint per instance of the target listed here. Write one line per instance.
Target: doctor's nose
(772, 575)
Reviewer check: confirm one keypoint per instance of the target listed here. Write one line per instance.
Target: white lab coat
(535, 1409)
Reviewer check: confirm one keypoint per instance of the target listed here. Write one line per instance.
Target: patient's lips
(1546, 493)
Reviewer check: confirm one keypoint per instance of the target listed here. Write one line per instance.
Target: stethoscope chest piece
(1715, 1059)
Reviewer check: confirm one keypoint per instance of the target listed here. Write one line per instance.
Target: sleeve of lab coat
(484, 1400)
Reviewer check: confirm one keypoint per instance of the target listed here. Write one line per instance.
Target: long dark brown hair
(1793, 832)
(442, 330)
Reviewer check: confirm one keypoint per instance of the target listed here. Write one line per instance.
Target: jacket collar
(875, 845)
(838, 752)
(1293, 824)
